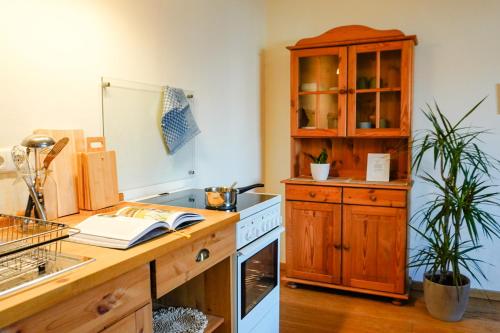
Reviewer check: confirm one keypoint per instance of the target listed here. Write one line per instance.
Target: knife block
(97, 179)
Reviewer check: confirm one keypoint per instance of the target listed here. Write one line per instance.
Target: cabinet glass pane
(328, 73)
(365, 110)
(390, 69)
(307, 111)
(390, 109)
(366, 70)
(328, 111)
(308, 68)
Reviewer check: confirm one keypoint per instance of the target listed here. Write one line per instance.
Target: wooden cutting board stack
(82, 176)
(97, 177)
(61, 189)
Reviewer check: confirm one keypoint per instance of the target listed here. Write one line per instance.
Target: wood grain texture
(141, 321)
(349, 156)
(98, 180)
(351, 34)
(314, 193)
(313, 241)
(374, 248)
(374, 197)
(179, 266)
(403, 130)
(64, 169)
(392, 185)
(212, 292)
(308, 309)
(95, 309)
(341, 52)
(109, 264)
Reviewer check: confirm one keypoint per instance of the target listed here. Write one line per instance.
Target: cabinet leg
(292, 285)
(397, 302)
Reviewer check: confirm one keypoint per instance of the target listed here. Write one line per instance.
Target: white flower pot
(320, 171)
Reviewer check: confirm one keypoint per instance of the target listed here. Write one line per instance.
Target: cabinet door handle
(351, 91)
(342, 91)
(337, 246)
(346, 247)
(312, 194)
(373, 197)
(202, 255)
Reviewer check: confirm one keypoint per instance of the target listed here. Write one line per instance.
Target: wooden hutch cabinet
(351, 94)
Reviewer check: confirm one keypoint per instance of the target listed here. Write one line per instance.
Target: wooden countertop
(109, 264)
(347, 182)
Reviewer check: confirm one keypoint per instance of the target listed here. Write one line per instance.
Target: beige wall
(53, 53)
(457, 62)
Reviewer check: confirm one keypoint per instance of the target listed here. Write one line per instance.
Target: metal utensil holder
(28, 244)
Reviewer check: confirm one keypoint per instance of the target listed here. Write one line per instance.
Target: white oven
(258, 273)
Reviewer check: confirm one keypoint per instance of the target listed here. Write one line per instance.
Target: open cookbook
(130, 226)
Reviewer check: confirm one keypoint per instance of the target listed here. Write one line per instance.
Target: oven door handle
(259, 244)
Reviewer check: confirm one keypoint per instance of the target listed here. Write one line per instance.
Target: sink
(33, 273)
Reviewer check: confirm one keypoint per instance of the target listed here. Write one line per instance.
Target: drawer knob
(346, 247)
(202, 255)
(373, 197)
(312, 194)
(337, 246)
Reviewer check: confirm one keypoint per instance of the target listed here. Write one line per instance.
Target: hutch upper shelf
(352, 81)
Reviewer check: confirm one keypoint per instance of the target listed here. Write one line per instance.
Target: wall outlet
(6, 162)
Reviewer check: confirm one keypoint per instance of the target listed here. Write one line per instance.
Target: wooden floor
(315, 310)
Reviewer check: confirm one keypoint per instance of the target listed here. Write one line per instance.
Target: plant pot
(444, 302)
(320, 171)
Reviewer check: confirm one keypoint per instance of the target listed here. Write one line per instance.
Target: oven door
(258, 284)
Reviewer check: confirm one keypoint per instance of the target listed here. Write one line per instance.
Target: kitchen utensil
(225, 197)
(64, 171)
(233, 185)
(21, 162)
(56, 149)
(97, 178)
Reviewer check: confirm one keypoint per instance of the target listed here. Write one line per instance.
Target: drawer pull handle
(202, 255)
(312, 194)
(373, 197)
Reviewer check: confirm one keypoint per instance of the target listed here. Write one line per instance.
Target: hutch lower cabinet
(351, 95)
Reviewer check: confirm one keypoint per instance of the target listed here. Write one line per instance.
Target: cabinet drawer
(181, 265)
(94, 310)
(375, 197)
(314, 193)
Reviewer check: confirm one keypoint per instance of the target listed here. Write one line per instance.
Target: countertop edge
(30, 301)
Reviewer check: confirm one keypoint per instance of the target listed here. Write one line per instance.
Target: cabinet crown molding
(351, 34)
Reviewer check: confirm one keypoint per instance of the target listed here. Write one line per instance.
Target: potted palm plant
(319, 167)
(456, 214)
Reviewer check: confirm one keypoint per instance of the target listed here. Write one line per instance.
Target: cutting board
(98, 181)
(65, 170)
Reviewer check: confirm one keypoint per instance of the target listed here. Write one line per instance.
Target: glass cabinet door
(319, 83)
(377, 92)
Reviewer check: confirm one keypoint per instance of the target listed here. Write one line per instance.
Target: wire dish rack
(28, 246)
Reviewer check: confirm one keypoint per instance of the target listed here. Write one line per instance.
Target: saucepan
(225, 197)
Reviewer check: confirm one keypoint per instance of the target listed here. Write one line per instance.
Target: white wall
(457, 62)
(53, 54)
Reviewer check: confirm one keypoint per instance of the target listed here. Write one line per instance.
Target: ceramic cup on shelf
(365, 124)
(320, 171)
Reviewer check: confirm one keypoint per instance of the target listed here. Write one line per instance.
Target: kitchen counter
(108, 264)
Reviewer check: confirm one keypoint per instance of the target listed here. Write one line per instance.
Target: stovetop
(246, 203)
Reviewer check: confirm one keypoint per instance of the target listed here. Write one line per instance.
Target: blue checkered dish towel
(177, 121)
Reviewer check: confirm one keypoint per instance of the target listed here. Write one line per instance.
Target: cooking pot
(225, 197)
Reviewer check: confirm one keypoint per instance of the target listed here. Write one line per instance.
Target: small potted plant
(319, 167)
(456, 214)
